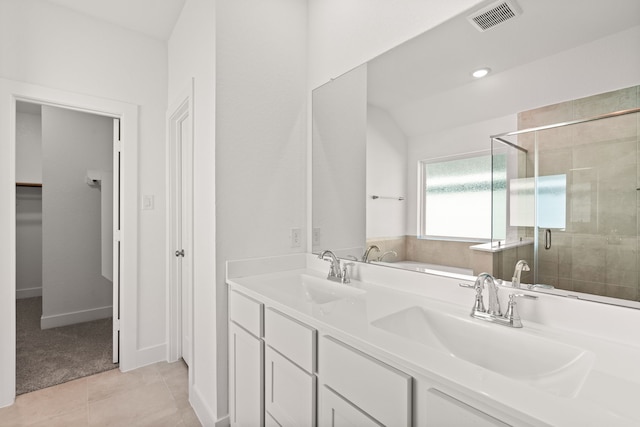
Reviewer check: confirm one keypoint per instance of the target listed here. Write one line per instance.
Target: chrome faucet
(394, 253)
(520, 267)
(335, 272)
(365, 257)
(492, 313)
(493, 307)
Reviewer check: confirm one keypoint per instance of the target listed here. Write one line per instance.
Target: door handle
(547, 239)
(180, 253)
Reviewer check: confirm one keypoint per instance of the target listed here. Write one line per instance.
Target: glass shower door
(587, 210)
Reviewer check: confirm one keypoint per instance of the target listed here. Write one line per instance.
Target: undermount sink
(316, 290)
(547, 364)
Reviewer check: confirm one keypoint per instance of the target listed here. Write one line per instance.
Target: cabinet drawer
(376, 388)
(246, 312)
(293, 339)
(446, 411)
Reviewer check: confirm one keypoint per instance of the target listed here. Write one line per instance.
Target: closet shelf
(28, 184)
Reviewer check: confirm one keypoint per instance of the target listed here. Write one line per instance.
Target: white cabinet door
(290, 392)
(338, 412)
(246, 373)
(446, 411)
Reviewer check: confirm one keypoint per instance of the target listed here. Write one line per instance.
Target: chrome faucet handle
(345, 272)
(512, 314)
(478, 305)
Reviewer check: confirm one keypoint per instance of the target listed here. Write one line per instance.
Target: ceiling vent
(494, 14)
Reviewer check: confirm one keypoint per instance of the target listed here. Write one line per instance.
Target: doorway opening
(67, 244)
(131, 354)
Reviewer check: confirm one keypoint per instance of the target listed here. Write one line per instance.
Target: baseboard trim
(28, 292)
(4, 404)
(203, 411)
(64, 319)
(224, 422)
(147, 356)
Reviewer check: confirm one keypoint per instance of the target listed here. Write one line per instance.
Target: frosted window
(552, 201)
(456, 198)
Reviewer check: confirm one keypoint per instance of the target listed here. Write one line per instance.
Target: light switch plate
(147, 202)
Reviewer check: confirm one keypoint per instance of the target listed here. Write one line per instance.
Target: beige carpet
(53, 356)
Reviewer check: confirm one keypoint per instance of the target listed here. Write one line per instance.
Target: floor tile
(110, 383)
(47, 403)
(147, 404)
(156, 395)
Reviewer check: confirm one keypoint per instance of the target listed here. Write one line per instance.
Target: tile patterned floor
(156, 395)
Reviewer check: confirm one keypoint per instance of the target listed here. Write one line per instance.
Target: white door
(116, 240)
(184, 227)
(181, 226)
(246, 378)
(289, 391)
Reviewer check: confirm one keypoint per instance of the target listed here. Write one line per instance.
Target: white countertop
(608, 397)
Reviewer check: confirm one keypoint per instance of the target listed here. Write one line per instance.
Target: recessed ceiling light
(481, 72)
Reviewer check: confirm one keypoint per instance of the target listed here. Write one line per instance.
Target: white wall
(28, 205)
(47, 45)
(261, 70)
(192, 55)
(73, 288)
(28, 147)
(248, 59)
(386, 175)
(28, 242)
(339, 163)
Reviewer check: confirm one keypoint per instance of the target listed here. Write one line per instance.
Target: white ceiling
(154, 18)
(407, 78)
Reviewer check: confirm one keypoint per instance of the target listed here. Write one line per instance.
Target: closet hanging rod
(28, 184)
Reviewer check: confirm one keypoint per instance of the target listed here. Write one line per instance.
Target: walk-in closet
(64, 245)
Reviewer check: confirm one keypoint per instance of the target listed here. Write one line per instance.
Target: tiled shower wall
(597, 253)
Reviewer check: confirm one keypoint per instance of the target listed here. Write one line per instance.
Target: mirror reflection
(567, 203)
(398, 139)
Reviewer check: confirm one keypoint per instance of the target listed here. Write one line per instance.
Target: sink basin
(316, 290)
(550, 365)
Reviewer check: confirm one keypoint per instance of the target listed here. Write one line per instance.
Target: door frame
(180, 110)
(10, 92)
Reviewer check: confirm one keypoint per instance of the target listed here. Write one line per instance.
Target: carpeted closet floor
(53, 356)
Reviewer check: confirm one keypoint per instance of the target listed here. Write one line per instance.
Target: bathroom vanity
(398, 348)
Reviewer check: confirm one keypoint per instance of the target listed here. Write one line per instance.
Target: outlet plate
(296, 237)
(315, 238)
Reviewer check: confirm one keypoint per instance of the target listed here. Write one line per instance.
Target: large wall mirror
(404, 166)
